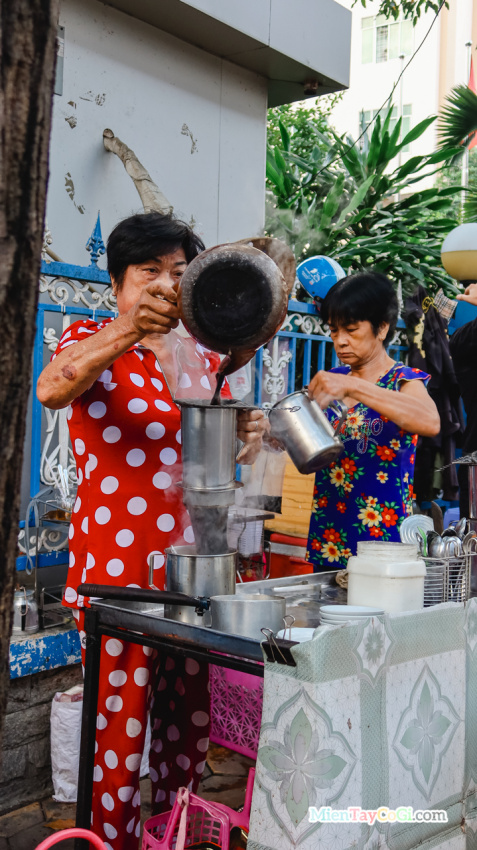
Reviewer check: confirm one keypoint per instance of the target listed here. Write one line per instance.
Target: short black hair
(143, 237)
(362, 297)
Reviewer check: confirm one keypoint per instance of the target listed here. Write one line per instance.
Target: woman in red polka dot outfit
(118, 378)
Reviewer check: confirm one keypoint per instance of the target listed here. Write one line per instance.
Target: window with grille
(382, 39)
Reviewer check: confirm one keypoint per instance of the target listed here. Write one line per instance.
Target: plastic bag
(65, 725)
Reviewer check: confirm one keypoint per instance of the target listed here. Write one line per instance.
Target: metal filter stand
(144, 627)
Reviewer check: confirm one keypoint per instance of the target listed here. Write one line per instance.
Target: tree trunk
(27, 63)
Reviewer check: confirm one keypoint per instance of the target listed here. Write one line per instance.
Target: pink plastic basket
(205, 821)
(236, 701)
(75, 832)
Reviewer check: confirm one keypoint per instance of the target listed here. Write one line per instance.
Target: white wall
(371, 84)
(146, 85)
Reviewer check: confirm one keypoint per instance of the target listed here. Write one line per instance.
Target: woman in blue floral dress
(366, 493)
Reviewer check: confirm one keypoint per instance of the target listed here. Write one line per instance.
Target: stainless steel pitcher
(25, 612)
(300, 424)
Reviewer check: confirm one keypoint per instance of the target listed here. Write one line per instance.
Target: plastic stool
(451, 515)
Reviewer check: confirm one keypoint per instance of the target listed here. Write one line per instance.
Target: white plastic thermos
(388, 575)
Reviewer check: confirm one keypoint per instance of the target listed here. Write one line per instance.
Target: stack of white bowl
(337, 615)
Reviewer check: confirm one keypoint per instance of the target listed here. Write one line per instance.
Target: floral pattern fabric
(366, 493)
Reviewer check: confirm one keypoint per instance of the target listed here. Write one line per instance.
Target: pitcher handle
(341, 410)
(150, 561)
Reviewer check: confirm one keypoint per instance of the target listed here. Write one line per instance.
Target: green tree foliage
(357, 205)
(412, 9)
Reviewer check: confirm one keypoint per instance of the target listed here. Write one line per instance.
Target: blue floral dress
(366, 493)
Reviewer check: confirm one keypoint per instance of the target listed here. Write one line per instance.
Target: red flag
(471, 86)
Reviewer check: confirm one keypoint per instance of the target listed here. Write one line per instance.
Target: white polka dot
(137, 831)
(97, 409)
(85, 330)
(114, 703)
(97, 773)
(200, 718)
(205, 382)
(70, 595)
(141, 676)
(118, 678)
(137, 405)
(170, 663)
(72, 559)
(84, 525)
(158, 366)
(107, 802)
(71, 531)
(173, 733)
(83, 576)
(101, 722)
(147, 650)
(162, 480)
(95, 747)
(79, 476)
(179, 687)
(125, 793)
(162, 405)
(114, 647)
(137, 505)
(138, 380)
(91, 464)
(185, 381)
(109, 830)
(199, 768)
(90, 562)
(139, 354)
(189, 534)
(115, 567)
(203, 744)
(133, 727)
(165, 522)
(111, 434)
(157, 384)
(135, 457)
(162, 684)
(124, 537)
(168, 456)
(133, 762)
(155, 430)
(102, 515)
(183, 762)
(69, 412)
(130, 825)
(136, 799)
(160, 796)
(157, 746)
(105, 376)
(109, 387)
(192, 667)
(80, 447)
(109, 485)
(164, 770)
(179, 436)
(153, 774)
(111, 760)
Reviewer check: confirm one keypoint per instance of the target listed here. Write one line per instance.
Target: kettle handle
(341, 410)
(150, 562)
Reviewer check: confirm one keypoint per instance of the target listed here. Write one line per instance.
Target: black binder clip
(278, 650)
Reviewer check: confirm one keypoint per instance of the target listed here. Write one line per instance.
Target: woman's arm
(76, 368)
(412, 408)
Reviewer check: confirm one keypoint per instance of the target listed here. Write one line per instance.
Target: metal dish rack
(448, 579)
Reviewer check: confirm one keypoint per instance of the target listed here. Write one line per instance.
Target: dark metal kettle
(233, 299)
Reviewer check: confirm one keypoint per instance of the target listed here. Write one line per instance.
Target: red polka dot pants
(134, 680)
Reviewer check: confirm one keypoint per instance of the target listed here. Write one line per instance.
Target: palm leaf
(458, 120)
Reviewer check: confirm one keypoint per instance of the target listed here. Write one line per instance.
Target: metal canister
(25, 612)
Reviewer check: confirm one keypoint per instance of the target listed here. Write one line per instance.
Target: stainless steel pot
(246, 615)
(25, 612)
(209, 435)
(197, 576)
(301, 425)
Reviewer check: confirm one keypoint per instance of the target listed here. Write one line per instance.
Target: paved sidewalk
(224, 780)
